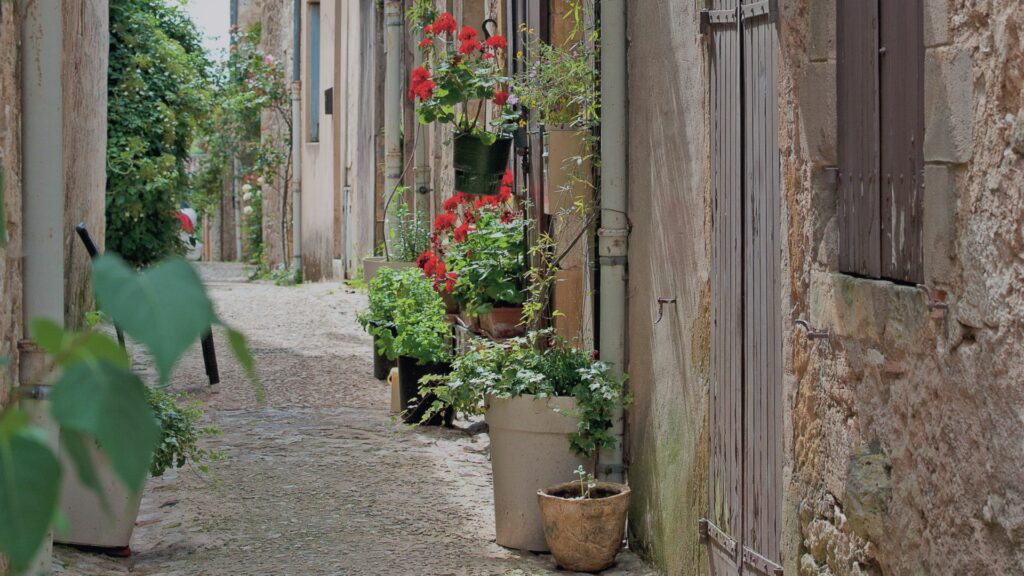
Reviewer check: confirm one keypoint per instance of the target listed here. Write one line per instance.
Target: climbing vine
(157, 96)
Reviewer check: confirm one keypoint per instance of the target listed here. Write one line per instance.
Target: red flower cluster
(500, 97)
(426, 42)
(420, 84)
(468, 33)
(444, 222)
(445, 24)
(497, 42)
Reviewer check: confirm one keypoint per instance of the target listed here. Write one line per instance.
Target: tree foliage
(158, 93)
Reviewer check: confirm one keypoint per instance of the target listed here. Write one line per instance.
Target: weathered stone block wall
(669, 256)
(906, 425)
(10, 175)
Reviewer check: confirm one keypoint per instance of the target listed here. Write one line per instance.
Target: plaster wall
(318, 182)
(669, 256)
(906, 427)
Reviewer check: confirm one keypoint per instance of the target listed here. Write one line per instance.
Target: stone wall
(669, 256)
(906, 426)
(10, 176)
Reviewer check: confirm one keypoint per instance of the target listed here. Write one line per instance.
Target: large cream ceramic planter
(529, 451)
(373, 264)
(88, 522)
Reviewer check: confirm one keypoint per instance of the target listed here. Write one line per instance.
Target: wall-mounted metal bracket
(811, 333)
(936, 298)
(760, 563)
(661, 308)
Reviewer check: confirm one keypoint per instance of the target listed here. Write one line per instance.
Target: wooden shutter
(762, 304)
(901, 57)
(881, 135)
(858, 116)
(726, 449)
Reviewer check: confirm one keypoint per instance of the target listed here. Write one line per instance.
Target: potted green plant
(422, 342)
(584, 522)
(409, 237)
(379, 320)
(549, 407)
(461, 69)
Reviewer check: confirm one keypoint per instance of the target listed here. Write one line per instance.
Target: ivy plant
(97, 400)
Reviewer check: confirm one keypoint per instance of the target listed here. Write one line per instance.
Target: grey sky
(213, 18)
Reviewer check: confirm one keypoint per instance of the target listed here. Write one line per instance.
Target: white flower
(247, 196)
(247, 188)
(262, 181)
(247, 210)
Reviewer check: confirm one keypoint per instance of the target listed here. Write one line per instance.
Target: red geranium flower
(462, 232)
(501, 97)
(497, 41)
(505, 194)
(449, 284)
(445, 221)
(419, 74)
(445, 23)
(424, 90)
(488, 56)
(507, 179)
(507, 217)
(469, 46)
(426, 42)
(452, 204)
(428, 29)
(468, 33)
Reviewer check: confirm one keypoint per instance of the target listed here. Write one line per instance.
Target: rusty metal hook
(488, 33)
(661, 308)
(933, 304)
(811, 333)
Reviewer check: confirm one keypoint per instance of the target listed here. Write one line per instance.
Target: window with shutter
(880, 75)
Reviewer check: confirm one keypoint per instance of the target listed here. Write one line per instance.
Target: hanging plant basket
(479, 167)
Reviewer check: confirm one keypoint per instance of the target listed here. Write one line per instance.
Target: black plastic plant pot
(409, 375)
(479, 167)
(381, 365)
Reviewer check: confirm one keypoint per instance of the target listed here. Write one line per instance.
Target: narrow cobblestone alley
(322, 480)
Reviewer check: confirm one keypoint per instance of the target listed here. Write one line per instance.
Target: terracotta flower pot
(471, 323)
(585, 535)
(529, 451)
(503, 322)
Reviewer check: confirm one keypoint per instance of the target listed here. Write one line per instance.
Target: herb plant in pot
(378, 320)
(549, 407)
(408, 239)
(584, 521)
(422, 343)
(461, 69)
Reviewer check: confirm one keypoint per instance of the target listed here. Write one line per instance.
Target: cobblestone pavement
(320, 480)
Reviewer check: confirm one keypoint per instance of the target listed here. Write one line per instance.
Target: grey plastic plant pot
(529, 452)
(479, 167)
(373, 264)
(89, 524)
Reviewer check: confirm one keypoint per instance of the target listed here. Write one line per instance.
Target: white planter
(89, 523)
(529, 451)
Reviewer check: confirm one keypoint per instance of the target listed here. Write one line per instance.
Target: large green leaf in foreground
(164, 308)
(107, 402)
(29, 482)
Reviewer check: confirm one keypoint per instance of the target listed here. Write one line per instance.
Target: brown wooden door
(745, 487)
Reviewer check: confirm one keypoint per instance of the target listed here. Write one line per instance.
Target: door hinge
(769, 8)
(763, 565)
(709, 18)
(711, 533)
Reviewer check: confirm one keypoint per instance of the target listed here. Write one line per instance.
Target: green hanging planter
(479, 167)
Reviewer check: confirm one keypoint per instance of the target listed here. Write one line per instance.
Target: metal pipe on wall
(392, 107)
(297, 135)
(613, 234)
(420, 158)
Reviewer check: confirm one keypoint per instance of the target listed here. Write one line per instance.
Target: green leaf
(68, 348)
(29, 484)
(108, 402)
(241, 351)
(165, 308)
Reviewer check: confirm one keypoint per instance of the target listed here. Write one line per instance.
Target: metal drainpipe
(43, 209)
(392, 107)
(420, 157)
(297, 135)
(614, 231)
